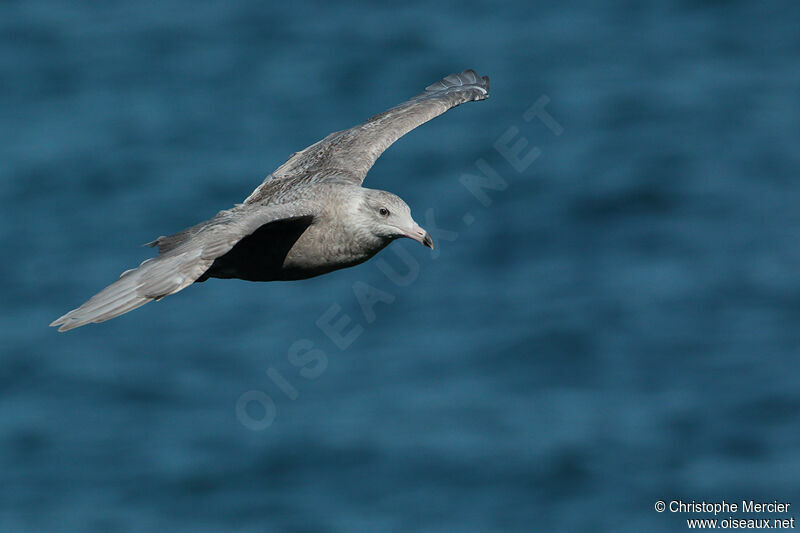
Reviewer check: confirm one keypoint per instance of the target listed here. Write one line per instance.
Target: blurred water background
(618, 326)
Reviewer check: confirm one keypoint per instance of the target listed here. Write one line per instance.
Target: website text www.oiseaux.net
(723, 512)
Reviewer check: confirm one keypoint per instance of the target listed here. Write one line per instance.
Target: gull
(309, 217)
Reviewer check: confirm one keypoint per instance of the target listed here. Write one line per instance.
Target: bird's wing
(183, 258)
(354, 151)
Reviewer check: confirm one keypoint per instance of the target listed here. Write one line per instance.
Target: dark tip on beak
(419, 235)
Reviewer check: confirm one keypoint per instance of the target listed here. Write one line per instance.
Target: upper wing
(354, 151)
(183, 258)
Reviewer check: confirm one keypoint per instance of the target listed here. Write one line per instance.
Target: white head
(387, 217)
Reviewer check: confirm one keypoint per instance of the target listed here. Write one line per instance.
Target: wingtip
(467, 79)
(62, 322)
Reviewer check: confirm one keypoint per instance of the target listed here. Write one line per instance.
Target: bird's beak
(420, 235)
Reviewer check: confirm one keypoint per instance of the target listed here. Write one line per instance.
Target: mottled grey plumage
(309, 217)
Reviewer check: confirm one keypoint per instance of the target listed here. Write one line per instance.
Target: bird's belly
(265, 265)
(303, 258)
(304, 263)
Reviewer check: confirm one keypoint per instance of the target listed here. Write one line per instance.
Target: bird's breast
(324, 249)
(293, 250)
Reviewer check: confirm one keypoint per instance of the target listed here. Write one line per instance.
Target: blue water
(618, 325)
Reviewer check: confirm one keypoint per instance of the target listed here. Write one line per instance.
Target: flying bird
(309, 217)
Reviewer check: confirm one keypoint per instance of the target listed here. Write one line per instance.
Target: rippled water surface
(618, 326)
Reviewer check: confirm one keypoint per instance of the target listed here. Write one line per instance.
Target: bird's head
(389, 217)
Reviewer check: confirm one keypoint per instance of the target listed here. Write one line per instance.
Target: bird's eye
(383, 211)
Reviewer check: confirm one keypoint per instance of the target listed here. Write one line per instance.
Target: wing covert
(183, 258)
(355, 150)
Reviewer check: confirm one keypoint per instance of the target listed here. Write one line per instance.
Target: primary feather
(313, 205)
